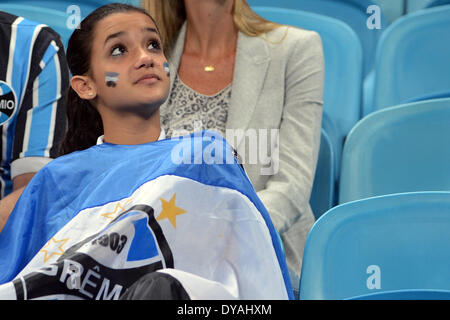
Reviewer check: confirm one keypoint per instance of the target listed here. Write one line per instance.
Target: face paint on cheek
(166, 68)
(111, 79)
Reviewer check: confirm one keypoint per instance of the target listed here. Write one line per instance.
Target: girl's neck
(211, 31)
(131, 129)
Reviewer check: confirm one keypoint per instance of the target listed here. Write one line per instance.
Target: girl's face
(128, 66)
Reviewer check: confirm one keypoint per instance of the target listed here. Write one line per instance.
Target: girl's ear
(84, 87)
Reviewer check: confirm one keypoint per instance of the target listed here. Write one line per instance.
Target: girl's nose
(145, 59)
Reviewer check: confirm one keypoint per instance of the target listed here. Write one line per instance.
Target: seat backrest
(412, 58)
(436, 95)
(322, 193)
(352, 12)
(53, 18)
(343, 65)
(393, 242)
(435, 3)
(86, 6)
(57, 14)
(399, 149)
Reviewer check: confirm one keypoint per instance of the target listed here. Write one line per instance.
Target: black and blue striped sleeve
(41, 121)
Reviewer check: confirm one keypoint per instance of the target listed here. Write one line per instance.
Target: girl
(123, 218)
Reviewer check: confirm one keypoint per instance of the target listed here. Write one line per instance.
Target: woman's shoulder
(294, 44)
(289, 36)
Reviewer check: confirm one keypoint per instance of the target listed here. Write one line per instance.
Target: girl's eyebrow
(114, 35)
(121, 33)
(151, 30)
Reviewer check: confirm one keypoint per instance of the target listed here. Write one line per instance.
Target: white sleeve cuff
(28, 165)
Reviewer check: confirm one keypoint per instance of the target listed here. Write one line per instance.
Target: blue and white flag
(92, 223)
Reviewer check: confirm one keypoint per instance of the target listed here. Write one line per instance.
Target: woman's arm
(287, 192)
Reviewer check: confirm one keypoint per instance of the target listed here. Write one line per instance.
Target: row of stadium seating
(411, 65)
(397, 149)
(393, 212)
(387, 247)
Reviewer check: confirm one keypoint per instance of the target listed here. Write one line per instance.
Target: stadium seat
(435, 3)
(386, 243)
(343, 68)
(53, 18)
(55, 13)
(399, 149)
(412, 59)
(86, 6)
(414, 5)
(438, 95)
(322, 194)
(413, 294)
(392, 10)
(352, 12)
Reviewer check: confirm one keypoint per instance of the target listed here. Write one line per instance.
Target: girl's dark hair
(83, 120)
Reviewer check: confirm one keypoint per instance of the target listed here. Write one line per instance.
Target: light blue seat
(393, 9)
(352, 12)
(437, 95)
(55, 13)
(413, 294)
(59, 5)
(412, 59)
(386, 243)
(399, 149)
(86, 6)
(53, 18)
(322, 194)
(343, 68)
(435, 3)
(414, 5)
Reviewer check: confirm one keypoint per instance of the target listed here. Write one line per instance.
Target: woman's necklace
(212, 68)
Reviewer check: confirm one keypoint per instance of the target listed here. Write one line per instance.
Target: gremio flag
(93, 222)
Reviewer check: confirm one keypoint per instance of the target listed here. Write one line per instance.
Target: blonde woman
(239, 74)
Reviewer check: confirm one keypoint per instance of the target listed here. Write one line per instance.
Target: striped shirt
(34, 80)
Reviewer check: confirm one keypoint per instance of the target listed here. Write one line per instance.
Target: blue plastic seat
(53, 18)
(86, 6)
(352, 12)
(399, 149)
(437, 95)
(55, 13)
(435, 3)
(322, 193)
(386, 243)
(343, 68)
(59, 5)
(412, 59)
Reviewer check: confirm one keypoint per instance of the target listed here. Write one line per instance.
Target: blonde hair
(171, 14)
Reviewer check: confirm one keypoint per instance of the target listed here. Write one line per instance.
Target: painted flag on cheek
(92, 223)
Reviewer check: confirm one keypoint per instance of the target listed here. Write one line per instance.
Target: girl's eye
(154, 45)
(117, 51)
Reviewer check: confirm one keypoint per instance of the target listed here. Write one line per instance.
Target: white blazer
(278, 84)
